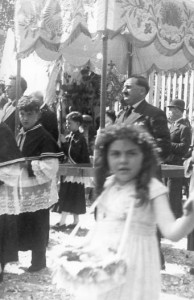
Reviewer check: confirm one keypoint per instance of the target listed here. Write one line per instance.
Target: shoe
(63, 227)
(32, 268)
(191, 271)
(71, 226)
(163, 267)
(59, 227)
(56, 225)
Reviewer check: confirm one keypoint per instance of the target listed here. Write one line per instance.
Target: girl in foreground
(125, 163)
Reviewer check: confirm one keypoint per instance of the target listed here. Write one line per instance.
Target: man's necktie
(128, 112)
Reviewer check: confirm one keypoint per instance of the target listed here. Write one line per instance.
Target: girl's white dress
(140, 249)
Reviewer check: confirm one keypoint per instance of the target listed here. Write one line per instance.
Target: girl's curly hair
(140, 137)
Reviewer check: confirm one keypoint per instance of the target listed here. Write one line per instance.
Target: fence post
(180, 86)
(191, 95)
(174, 86)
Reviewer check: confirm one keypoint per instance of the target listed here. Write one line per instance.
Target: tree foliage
(6, 14)
(6, 20)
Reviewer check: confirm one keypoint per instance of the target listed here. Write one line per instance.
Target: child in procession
(125, 165)
(38, 181)
(72, 189)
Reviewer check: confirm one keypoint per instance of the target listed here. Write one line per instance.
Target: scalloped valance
(54, 23)
(161, 32)
(168, 24)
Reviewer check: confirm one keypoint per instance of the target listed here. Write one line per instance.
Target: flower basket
(80, 271)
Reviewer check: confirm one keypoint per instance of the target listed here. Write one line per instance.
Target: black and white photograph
(96, 149)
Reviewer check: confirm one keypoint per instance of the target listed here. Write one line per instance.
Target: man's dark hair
(75, 116)
(28, 103)
(141, 81)
(23, 83)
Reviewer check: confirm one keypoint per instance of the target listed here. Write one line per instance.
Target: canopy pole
(130, 50)
(18, 93)
(104, 69)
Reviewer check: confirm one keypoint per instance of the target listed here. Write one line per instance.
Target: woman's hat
(177, 103)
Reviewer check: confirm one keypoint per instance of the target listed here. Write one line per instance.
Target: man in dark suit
(180, 134)
(48, 118)
(9, 110)
(139, 111)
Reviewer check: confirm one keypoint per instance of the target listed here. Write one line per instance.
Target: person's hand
(62, 138)
(91, 159)
(98, 135)
(188, 207)
(24, 164)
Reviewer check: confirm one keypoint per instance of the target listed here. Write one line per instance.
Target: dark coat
(3, 100)
(9, 117)
(75, 148)
(72, 194)
(8, 148)
(48, 120)
(8, 223)
(180, 135)
(155, 121)
(38, 142)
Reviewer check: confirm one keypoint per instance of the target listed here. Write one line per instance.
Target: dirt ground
(21, 285)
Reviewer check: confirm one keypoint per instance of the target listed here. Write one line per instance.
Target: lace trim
(16, 200)
(87, 181)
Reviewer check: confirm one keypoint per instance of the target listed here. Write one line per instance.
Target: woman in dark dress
(72, 191)
(9, 152)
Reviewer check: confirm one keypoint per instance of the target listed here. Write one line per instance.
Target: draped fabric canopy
(69, 29)
(54, 24)
(161, 31)
(168, 24)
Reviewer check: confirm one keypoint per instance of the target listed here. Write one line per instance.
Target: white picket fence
(165, 87)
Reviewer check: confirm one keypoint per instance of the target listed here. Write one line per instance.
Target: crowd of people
(127, 156)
